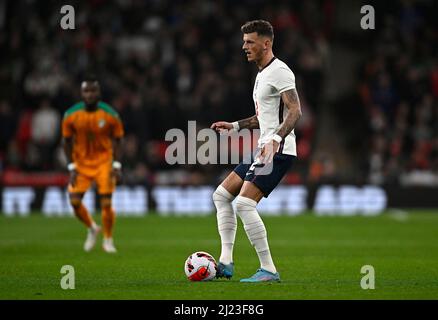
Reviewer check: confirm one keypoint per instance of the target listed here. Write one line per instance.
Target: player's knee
(105, 203)
(75, 202)
(244, 205)
(222, 195)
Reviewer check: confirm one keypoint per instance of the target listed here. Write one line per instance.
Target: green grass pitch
(317, 257)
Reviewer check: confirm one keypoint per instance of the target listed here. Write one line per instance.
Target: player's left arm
(292, 103)
(117, 141)
(117, 149)
(117, 157)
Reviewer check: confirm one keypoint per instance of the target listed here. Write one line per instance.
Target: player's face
(90, 92)
(254, 46)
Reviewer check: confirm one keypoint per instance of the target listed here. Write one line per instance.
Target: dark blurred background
(369, 97)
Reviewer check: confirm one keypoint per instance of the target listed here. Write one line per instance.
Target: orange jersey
(92, 133)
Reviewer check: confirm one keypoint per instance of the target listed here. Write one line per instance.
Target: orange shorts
(102, 176)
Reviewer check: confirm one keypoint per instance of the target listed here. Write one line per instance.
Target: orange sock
(82, 213)
(108, 218)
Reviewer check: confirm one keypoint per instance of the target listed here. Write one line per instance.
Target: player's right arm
(248, 123)
(67, 143)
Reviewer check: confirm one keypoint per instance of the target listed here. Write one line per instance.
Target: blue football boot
(225, 270)
(263, 275)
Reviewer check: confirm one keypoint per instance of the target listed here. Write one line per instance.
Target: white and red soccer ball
(200, 266)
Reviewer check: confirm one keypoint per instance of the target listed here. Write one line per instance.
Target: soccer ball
(200, 266)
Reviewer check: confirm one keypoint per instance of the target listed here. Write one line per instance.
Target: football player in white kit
(277, 110)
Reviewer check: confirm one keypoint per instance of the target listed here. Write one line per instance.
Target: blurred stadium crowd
(162, 63)
(399, 90)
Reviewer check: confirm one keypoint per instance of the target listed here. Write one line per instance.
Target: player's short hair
(90, 77)
(262, 27)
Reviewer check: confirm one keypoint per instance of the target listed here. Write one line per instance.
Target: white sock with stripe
(226, 222)
(255, 230)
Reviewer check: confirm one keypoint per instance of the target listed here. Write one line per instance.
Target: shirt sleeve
(118, 130)
(283, 80)
(67, 127)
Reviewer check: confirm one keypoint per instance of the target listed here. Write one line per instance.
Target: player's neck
(91, 107)
(262, 63)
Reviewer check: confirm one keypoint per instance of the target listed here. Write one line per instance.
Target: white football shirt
(274, 79)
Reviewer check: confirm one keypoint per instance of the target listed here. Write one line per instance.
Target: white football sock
(255, 230)
(94, 226)
(226, 222)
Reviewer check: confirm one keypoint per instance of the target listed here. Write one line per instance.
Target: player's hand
(73, 176)
(117, 174)
(268, 151)
(222, 126)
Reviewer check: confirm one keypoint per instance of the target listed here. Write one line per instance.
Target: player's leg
(108, 219)
(256, 186)
(79, 209)
(227, 221)
(76, 194)
(246, 203)
(106, 185)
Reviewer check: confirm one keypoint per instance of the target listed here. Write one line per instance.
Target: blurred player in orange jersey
(92, 132)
